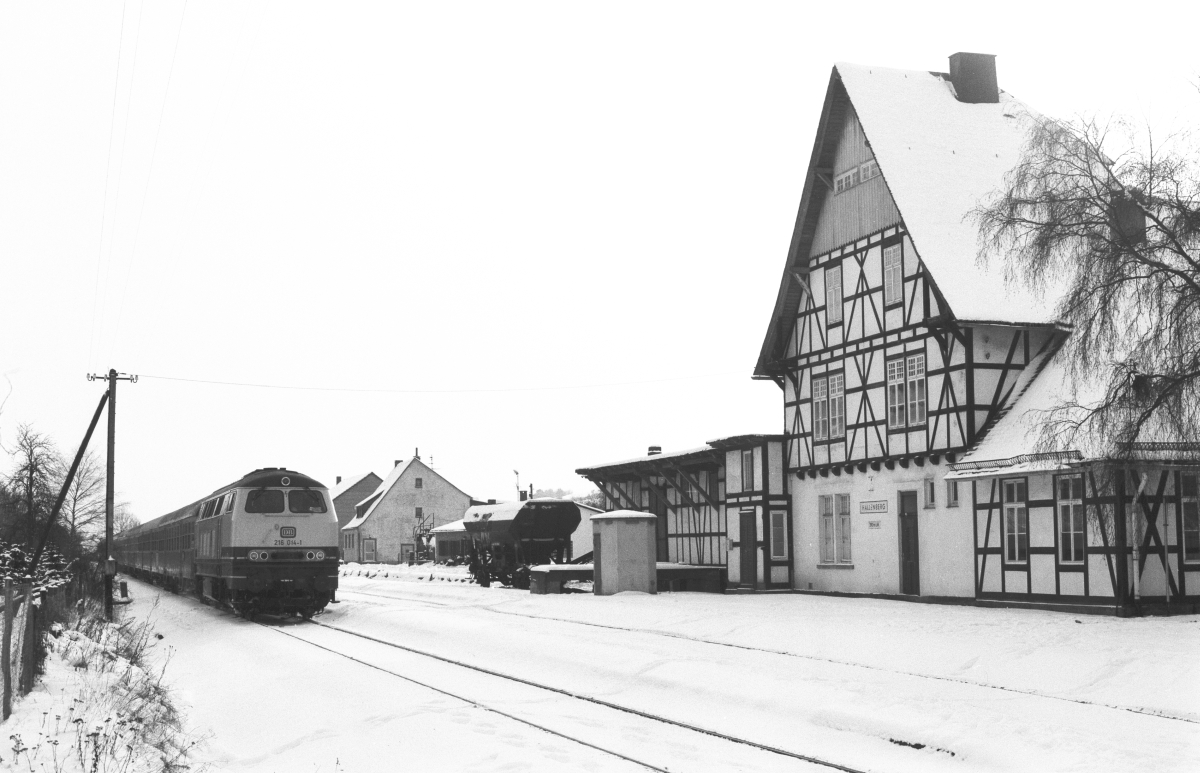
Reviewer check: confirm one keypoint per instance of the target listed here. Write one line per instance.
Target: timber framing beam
(603, 486)
(694, 483)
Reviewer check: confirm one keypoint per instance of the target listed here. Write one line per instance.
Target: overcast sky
(519, 236)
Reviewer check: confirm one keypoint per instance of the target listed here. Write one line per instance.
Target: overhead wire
(112, 242)
(473, 390)
(149, 175)
(104, 204)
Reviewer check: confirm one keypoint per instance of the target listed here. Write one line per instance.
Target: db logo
(287, 531)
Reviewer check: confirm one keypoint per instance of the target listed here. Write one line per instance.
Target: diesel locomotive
(265, 543)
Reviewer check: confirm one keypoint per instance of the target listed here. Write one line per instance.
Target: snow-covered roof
(713, 447)
(347, 484)
(372, 502)
(448, 528)
(939, 159)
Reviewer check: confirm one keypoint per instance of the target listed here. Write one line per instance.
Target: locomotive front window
(264, 501)
(305, 501)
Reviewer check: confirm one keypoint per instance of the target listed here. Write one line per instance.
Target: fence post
(6, 656)
(30, 648)
(26, 633)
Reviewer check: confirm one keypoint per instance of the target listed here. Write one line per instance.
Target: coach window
(306, 501)
(264, 501)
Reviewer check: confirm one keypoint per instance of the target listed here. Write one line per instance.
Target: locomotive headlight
(320, 555)
(311, 555)
(253, 555)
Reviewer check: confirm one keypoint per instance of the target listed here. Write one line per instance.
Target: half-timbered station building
(912, 377)
(723, 505)
(393, 522)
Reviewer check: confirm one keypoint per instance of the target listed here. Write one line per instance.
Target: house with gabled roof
(392, 523)
(914, 376)
(348, 492)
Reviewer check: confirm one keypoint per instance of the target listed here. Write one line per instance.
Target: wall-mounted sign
(872, 524)
(878, 506)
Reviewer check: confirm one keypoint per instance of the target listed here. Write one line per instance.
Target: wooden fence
(19, 654)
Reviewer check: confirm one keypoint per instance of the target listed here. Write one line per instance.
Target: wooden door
(748, 548)
(910, 566)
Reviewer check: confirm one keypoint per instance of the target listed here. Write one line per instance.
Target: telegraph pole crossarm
(110, 564)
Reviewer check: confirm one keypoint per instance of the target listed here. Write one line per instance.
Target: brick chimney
(653, 450)
(974, 77)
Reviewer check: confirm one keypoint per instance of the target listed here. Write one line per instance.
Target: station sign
(877, 506)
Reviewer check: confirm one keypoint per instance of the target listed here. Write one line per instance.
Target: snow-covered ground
(857, 682)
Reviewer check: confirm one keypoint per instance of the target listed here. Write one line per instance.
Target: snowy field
(576, 682)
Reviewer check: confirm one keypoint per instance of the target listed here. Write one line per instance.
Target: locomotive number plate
(287, 531)
(288, 543)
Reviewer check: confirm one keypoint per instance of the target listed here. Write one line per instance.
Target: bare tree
(82, 513)
(1112, 222)
(32, 485)
(123, 518)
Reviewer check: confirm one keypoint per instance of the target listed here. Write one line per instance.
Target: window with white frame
(951, 493)
(1016, 522)
(930, 493)
(778, 534)
(843, 509)
(893, 275)
(1070, 519)
(834, 514)
(833, 294)
(820, 408)
(748, 469)
(1191, 517)
(916, 389)
(825, 511)
(867, 171)
(837, 405)
(895, 394)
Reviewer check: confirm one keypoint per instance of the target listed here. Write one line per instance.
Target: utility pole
(110, 563)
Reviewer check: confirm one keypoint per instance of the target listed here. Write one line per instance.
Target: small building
(348, 492)
(723, 505)
(450, 541)
(392, 524)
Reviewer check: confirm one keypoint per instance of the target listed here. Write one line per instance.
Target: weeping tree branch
(1115, 236)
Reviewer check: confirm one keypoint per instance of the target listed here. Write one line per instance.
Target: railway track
(594, 701)
(669, 635)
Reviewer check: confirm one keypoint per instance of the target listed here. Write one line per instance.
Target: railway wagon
(265, 543)
(506, 539)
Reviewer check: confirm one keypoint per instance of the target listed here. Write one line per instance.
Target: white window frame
(843, 528)
(820, 403)
(896, 393)
(368, 545)
(930, 493)
(915, 369)
(1189, 515)
(1072, 536)
(837, 405)
(748, 469)
(828, 539)
(779, 542)
(893, 275)
(833, 513)
(951, 493)
(1015, 524)
(833, 293)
